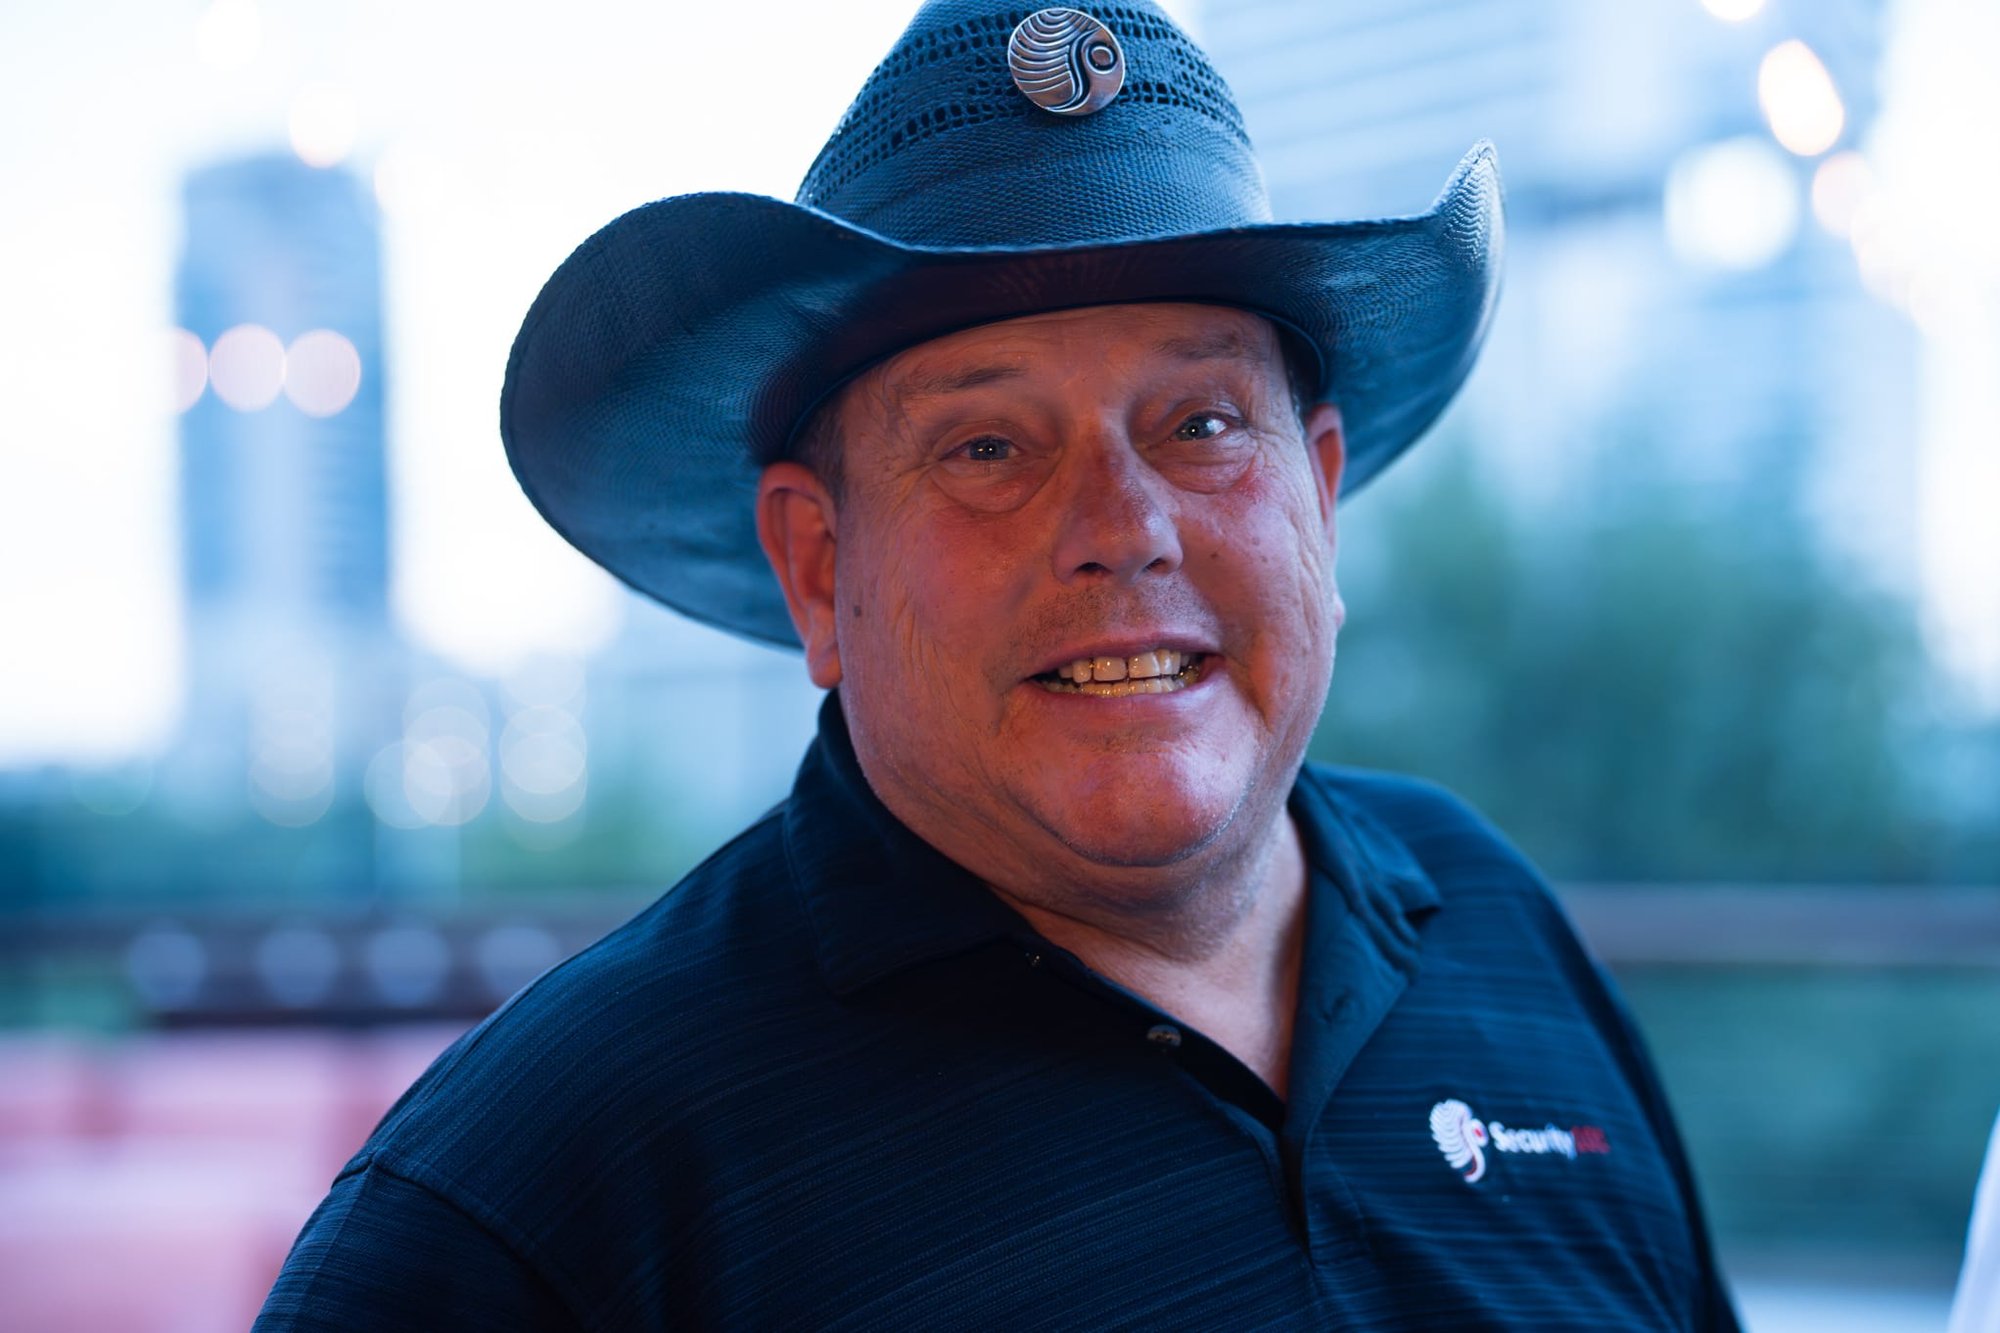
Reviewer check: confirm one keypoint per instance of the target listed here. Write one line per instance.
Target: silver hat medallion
(1065, 61)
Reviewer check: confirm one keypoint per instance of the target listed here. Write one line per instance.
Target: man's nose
(1117, 520)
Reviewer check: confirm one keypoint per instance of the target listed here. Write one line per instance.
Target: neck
(1223, 953)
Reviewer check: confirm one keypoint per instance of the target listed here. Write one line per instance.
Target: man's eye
(1201, 426)
(987, 449)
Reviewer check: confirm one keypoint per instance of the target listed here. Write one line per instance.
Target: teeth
(1157, 671)
(1155, 686)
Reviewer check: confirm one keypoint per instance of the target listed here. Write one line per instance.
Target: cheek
(1268, 569)
(927, 590)
(1267, 537)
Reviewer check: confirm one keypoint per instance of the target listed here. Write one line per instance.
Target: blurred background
(315, 743)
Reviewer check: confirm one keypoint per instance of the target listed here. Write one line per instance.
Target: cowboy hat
(999, 162)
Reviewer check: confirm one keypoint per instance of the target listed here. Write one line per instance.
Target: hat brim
(685, 342)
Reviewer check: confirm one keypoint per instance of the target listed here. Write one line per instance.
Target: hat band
(1072, 199)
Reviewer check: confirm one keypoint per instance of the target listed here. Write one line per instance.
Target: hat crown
(941, 148)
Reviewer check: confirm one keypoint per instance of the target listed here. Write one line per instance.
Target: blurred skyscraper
(303, 699)
(1659, 293)
(284, 501)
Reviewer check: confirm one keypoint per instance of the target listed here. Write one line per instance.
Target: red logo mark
(1589, 1138)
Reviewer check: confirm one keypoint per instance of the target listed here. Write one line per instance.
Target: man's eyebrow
(936, 383)
(1220, 345)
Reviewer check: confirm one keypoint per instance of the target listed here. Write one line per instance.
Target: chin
(1153, 828)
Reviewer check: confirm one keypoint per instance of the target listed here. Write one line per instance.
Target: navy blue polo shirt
(829, 1081)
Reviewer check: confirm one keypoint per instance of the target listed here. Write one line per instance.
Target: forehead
(1067, 342)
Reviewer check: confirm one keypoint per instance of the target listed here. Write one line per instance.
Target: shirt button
(1164, 1035)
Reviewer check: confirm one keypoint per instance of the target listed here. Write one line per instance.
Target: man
(1058, 994)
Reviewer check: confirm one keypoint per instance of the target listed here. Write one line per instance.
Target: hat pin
(1065, 62)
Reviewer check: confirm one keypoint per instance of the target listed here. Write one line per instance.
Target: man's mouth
(1156, 671)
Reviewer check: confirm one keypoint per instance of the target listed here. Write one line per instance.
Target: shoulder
(1549, 1027)
(574, 1133)
(596, 1061)
(1500, 931)
(1455, 846)
(1493, 902)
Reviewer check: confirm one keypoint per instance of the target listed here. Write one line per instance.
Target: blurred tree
(1647, 681)
(628, 839)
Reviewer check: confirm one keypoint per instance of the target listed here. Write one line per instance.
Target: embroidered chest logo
(1465, 1139)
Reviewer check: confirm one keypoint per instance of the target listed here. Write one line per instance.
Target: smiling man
(1087, 563)
(1060, 992)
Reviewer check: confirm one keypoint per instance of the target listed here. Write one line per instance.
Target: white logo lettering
(1546, 1139)
(1463, 1139)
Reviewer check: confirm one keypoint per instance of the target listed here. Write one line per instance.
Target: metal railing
(243, 967)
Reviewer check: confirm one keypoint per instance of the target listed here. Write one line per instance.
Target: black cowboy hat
(681, 347)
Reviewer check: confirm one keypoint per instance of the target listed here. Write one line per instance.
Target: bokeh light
(543, 764)
(1884, 251)
(1841, 188)
(439, 773)
(247, 367)
(291, 745)
(323, 124)
(166, 965)
(189, 360)
(1799, 99)
(322, 372)
(445, 780)
(509, 957)
(1731, 205)
(1734, 11)
(547, 680)
(447, 777)
(382, 788)
(407, 965)
(297, 964)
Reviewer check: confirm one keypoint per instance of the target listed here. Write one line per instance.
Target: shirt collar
(1379, 878)
(881, 900)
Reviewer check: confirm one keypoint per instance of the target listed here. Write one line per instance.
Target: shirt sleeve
(385, 1253)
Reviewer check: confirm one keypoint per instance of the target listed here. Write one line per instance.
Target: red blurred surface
(155, 1183)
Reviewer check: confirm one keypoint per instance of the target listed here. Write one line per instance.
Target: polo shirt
(830, 1081)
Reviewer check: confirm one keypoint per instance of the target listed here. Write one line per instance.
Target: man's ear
(795, 526)
(1326, 441)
